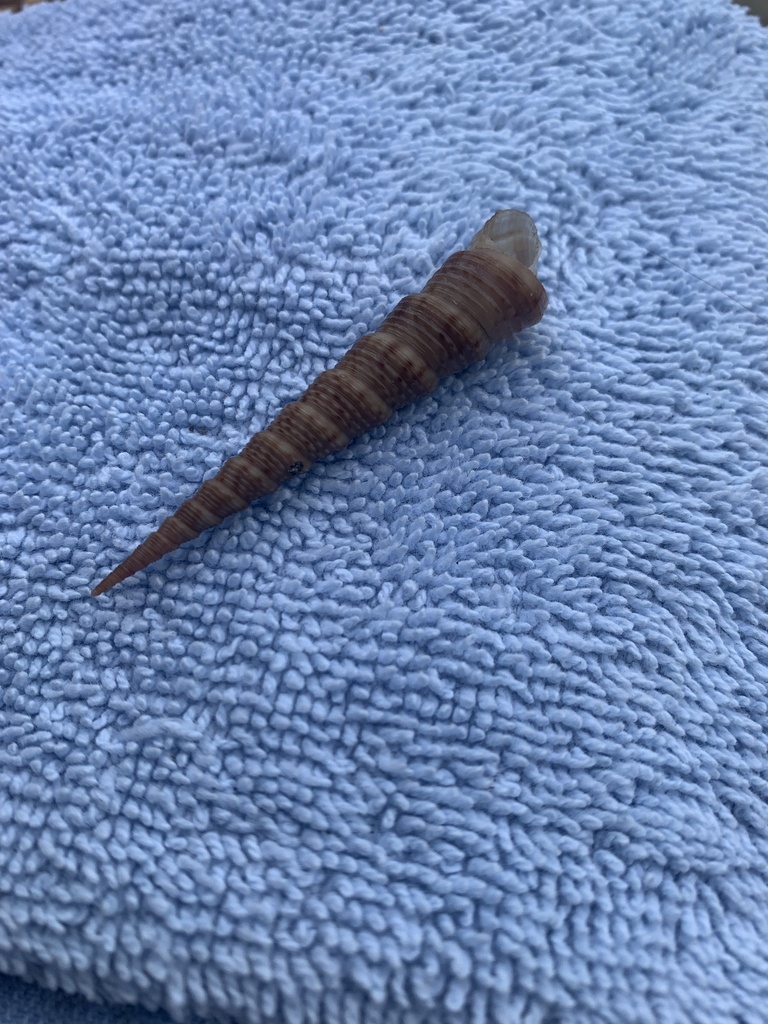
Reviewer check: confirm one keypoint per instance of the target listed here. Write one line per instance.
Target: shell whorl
(479, 296)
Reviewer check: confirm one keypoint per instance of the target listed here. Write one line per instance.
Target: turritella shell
(479, 296)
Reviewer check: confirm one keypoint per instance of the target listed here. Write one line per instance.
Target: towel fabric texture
(469, 724)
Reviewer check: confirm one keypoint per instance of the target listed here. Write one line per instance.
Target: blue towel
(469, 724)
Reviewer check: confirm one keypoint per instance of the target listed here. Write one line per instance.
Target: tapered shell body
(479, 296)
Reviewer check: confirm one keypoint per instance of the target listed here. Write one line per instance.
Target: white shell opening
(513, 233)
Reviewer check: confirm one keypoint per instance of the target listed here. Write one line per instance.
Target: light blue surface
(469, 724)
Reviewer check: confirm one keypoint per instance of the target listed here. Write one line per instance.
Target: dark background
(758, 7)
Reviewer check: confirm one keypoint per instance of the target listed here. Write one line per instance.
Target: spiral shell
(479, 296)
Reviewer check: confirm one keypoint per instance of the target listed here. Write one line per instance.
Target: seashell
(479, 296)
